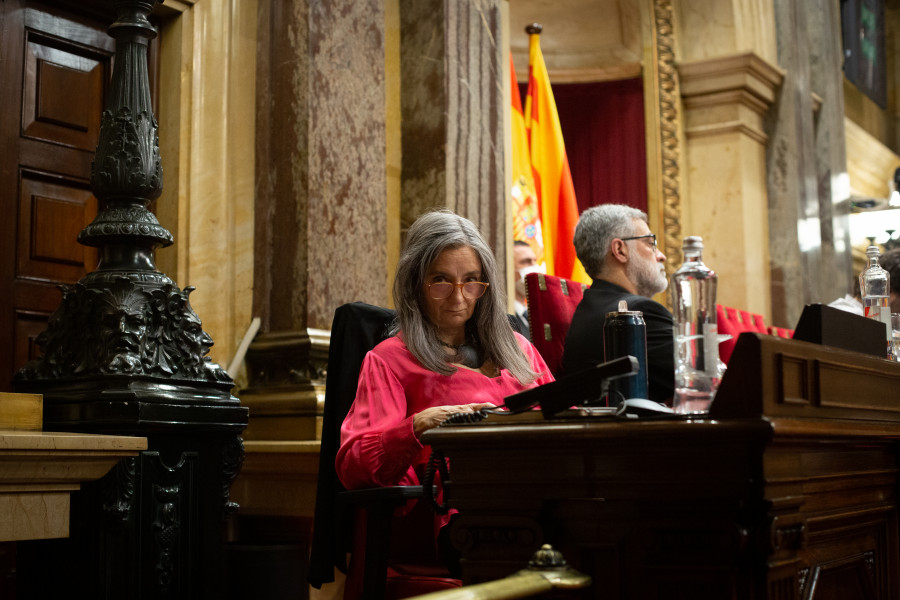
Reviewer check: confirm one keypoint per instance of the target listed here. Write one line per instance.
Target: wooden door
(54, 70)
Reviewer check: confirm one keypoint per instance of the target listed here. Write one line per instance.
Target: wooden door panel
(29, 324)
(54, 158)
(55, 66)
(51, 213)
(35, 297)
(62, 92)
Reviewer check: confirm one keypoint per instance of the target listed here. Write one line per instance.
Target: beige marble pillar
(728, 82)
(807, 171)
(206, 124)
(725, 100)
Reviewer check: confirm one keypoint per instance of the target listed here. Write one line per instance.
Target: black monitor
(831, 326)
(583, 387)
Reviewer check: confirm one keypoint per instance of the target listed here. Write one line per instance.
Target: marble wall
(453, 128)
(806, 162)
(321, 166)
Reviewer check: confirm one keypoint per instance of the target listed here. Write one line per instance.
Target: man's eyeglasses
(650, 236)
(470, 289)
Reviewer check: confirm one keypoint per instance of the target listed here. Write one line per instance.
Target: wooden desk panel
(769, 500)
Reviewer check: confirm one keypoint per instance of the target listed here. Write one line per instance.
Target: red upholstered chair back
(551, 304)
(781, 332)
(734, 322)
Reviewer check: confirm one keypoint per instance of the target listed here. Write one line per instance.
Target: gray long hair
(431, 234)
(597, 227)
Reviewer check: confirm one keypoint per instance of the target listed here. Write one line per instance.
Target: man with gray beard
(618, 251)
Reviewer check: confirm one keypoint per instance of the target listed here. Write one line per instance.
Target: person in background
(890, 262)
(618, 251)
(524, 261)
(850, 303)
(452, 350)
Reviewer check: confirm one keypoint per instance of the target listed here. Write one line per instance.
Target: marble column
(321, 234)
(321, 177)
(725, 101)
(728, 82)
(206, 129)
(451, 94)
(833, 189)
(809, 240)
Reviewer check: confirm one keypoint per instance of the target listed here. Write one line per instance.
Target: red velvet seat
(551, 304)
(734, 322)
(781, 332)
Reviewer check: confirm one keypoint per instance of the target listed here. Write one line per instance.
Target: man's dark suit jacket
(584, 340)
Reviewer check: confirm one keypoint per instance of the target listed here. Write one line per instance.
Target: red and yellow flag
(526, 209)
(550, 169)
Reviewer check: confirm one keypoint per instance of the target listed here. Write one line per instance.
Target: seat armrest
(379, 505)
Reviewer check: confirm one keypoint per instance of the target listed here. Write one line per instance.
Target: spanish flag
(550, 168)
(526, 210)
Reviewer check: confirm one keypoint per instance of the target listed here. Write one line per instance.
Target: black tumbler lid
(619, 313)
(623, 310)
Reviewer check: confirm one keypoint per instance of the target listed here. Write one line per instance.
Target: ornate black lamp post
(125, 353)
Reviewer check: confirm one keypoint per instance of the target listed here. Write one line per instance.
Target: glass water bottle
(698, 369)
(875, 287)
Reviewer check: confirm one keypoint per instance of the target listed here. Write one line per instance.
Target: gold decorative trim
(669, 117)
(564, 287)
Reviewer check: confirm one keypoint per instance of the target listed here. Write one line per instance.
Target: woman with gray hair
(453, 350)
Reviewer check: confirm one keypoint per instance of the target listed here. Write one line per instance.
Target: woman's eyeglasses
(650, 236)
(470, 289)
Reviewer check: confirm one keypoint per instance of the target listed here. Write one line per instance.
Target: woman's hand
(434, 416)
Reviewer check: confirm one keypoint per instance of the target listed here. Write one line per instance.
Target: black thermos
(624, 334)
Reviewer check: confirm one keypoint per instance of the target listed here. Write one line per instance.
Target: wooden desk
(787, 491)
(39, 470)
